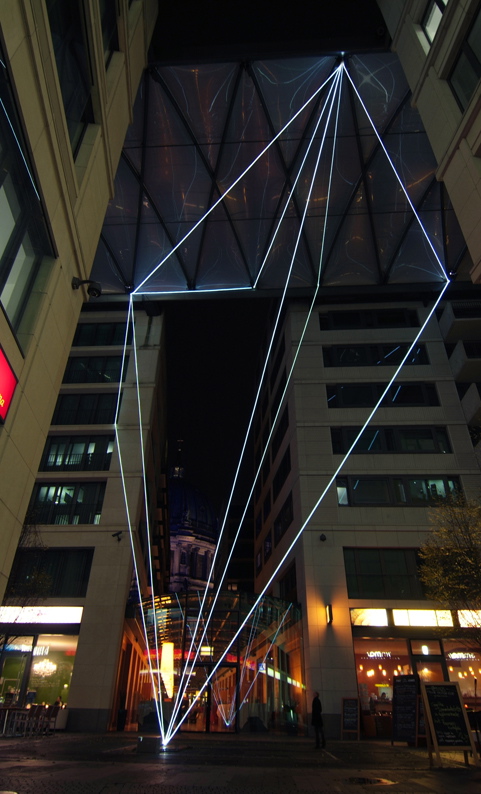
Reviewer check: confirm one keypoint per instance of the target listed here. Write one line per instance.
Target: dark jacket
(317, 712)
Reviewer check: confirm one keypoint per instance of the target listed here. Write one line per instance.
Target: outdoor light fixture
(94, 289)
(322, 537)
(328, 613)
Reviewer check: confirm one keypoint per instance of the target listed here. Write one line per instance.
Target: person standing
(317, 721)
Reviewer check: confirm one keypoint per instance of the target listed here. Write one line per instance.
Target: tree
(451, 562)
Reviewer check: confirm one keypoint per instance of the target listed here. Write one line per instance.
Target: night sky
(213, 359)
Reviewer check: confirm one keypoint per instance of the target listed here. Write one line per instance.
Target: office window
(95, 369)
(284, 519)
(24, 239)
(466, 71)
(353, 395)
(108, 18)
(77, 453)
(267, 546)
(278, 396)
(70, 44)
(281, 473)
(61, 573)
(390, 439)
(280, 431)
(372, 355)
(402, 491)
(432, 18)
(266, 508)
(67, 503)
(382, 573)
(368, 318)
(277, 362)
(85, 409)
(288, 585)
(101, 335)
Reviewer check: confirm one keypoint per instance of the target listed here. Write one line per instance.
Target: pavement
(116, 763)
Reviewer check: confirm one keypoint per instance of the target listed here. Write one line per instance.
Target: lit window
(368, 617)
(432, 18)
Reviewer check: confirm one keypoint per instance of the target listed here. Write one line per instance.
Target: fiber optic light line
(381, 142)
(301, 339)
(331, 481)
(208, 679)
(217, 700)
(241, 176)
(247, 652)
(20, 148)
(147, 512)
(134, 559)
(265, 657)
(332, 90)
(177, 706)
(196, 291)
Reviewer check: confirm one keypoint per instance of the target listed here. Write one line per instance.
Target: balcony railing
(88, 461)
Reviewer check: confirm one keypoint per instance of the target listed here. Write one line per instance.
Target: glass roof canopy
(197, 129)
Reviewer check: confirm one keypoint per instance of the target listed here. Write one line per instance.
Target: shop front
(385, 647)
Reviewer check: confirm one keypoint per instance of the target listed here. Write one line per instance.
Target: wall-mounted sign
(8, 384)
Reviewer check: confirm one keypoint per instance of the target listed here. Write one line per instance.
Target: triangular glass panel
(353, 259)
(415, 262)
(203, 94)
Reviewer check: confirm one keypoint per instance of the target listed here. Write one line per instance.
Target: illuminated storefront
(257, 685)
(393, 642)
(38, 650)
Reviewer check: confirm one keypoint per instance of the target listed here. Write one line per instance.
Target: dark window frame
(368, 394)
(373, 355)
(364, 581)
(396, 489)
(388, 440)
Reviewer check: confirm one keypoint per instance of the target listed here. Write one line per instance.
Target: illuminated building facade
(63, 120)
(82, 551)
(354, 569)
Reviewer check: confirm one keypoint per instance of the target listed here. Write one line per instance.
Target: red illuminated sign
(8, 383)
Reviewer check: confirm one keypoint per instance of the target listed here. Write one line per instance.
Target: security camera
(94, 289)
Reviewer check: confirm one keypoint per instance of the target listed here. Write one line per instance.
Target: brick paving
(219, 764)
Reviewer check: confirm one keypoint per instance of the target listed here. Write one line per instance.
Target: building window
(24, 239)
(101, 335)
(85, 409)
(402, 491)
(258, 562)
(267, 546)
(77, 453)
(276, 401)
(382, 573)
(70, 45)
(266, 508)
(284, 519)
(62, 573)
(288, 585)
(277, 362)
(95, 369)
(110, 37)
(432, 18)
(372, 355)
(466, 71)
(368, 318)
(281, 473)
(390, 439)
(352, 395)
(280, 432)
(68, 503)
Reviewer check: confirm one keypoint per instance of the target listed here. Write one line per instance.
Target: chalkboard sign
(447, 718)
(404, 708)
(350, 715)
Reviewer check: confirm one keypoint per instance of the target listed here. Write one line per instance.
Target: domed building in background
(193, 535)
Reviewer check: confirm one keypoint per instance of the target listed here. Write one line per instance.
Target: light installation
(327, 121)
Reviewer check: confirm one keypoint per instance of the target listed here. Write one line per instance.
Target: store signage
(8, 384)
(378, 654)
